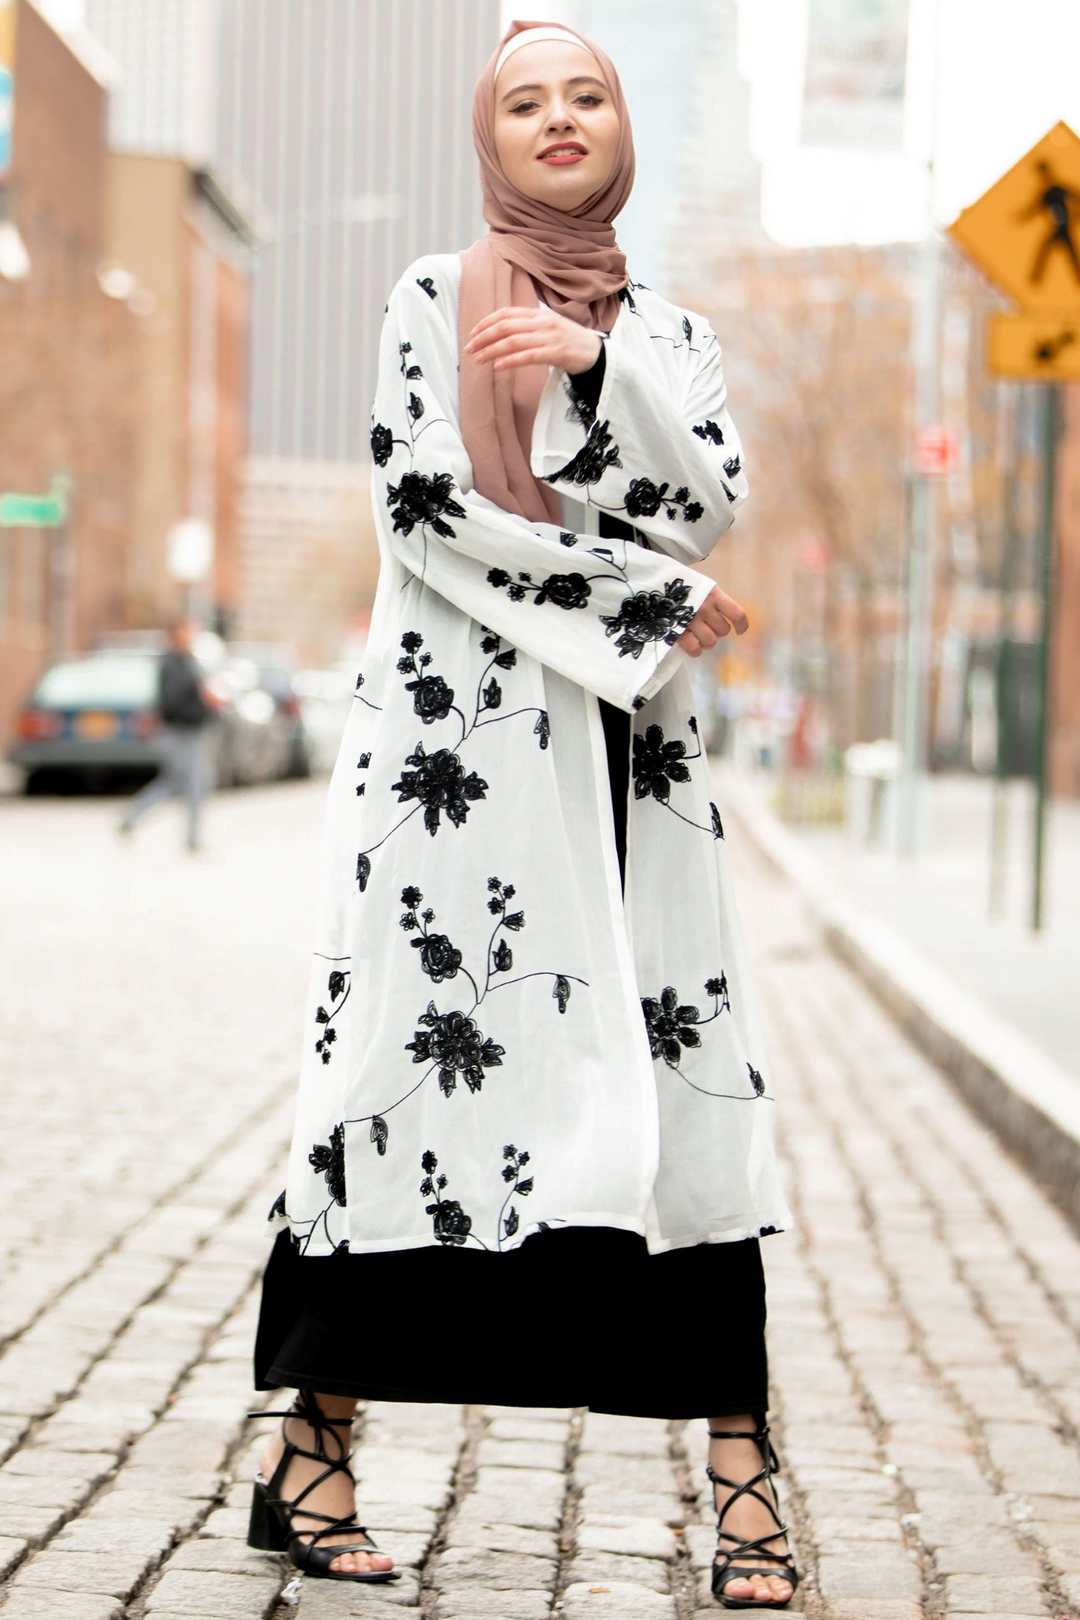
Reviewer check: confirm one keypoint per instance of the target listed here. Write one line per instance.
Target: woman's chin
(560, 188)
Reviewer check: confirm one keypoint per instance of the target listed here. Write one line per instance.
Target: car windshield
(127, 680)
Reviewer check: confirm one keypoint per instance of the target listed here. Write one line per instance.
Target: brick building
(69, 352)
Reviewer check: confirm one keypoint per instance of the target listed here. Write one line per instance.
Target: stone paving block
(501, 1537)
(880, 1573)
(89, 1468)
(621, 1601)
(115, 1536)
(12, 1548)
(491, 1453)
(495, 1571)
(29, 1605)
(989, 1594)
(110, 1573)
(488, 1507)
(476, 1603)
(35, 1524)
(505, 1428)
(880, 1608)
(601, 1568)
(407, 1551)
(624, 1473)
(640, 1538)
(229, 1522)
(664, 1505)
(398, 1516)
(341, 1600)
(983, 1554)
(228, 1558)
(198, 1593)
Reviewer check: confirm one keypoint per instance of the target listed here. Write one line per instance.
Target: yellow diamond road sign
(1025, 233)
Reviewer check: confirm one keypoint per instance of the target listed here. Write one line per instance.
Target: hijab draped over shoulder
(532, 251)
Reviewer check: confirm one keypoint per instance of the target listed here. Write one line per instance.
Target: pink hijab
(571, 259)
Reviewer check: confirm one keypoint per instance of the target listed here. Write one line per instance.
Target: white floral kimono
(496, 1042)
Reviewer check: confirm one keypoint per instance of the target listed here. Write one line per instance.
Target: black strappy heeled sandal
(270, 1529)
(729, 1571)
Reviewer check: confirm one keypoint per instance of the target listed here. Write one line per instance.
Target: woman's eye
(589, 99)
(523, 107)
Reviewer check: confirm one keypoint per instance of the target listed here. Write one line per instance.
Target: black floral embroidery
(329, 1160)
(450, 1223)
(567, 537)
(428, 286)
(422, 500)
(409, 368)
(358, 694)
(647, 616)
(673, 1026)
(336, 987)
(717, 824)
(657, 764)
(382, 444)
(564, 590)
(363, 762)
(763, 1231)
(597, 454)
(440, 783)
(455, 1045)
(709, 431)
(688, 331)
(644, 499)
(733, 466)
(452, 1043)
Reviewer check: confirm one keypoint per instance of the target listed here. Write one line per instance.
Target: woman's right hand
(713, 619)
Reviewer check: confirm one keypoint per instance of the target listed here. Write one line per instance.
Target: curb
(1028, 1099)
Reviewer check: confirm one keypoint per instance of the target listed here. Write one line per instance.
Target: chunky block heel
(264, 1526)
(270, 1527)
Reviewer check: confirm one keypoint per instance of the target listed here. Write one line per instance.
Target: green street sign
(33, 511)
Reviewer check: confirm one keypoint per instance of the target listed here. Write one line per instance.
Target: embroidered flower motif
(669, 1025)
(709, 431)
(438, 958)
(567, 537)
(717, 824)
(454, 1042)
(597, 454)
(422, 500)
(649, 616)
(733, 466)
(449, 1221)
(382, 444)
(643, 498)
(432, 698)
(428, 286)
(657, 764)
(756, 1081)
(565, 590)
(440, 783)
(329, 1160)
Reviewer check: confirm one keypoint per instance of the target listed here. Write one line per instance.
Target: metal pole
(1046, 575)
(1005, 662)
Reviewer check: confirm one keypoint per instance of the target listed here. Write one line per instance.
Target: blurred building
(179, 236)
(345, 128)
(70, 354)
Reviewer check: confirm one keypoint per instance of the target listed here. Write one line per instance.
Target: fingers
(519, 348)
(720, 602)
(500, 324)
(689, 642)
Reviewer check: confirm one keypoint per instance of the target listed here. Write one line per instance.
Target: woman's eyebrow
(580, 78)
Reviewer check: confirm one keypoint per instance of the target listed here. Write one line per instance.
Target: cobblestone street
(924, 1320)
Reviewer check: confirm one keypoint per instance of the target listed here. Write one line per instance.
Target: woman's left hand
(533, 337)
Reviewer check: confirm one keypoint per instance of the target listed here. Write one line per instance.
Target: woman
(536, 1062)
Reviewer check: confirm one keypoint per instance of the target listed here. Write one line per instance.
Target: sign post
(1024, 232)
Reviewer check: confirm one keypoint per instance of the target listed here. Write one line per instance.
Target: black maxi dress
(569, 1318)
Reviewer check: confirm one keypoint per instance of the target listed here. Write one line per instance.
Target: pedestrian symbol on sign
(1056, 200)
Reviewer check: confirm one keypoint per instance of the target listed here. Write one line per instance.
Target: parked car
(326, 696)
(94, 717)
(270, 668)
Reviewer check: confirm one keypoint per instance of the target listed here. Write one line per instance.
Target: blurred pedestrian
(184, 739)
(508, 1112)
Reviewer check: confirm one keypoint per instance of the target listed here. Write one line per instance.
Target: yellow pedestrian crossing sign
(1024, 232)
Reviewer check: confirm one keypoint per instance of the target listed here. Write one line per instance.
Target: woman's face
(556, 127)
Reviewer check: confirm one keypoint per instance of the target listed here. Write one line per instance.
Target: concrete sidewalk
(924, 1316)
